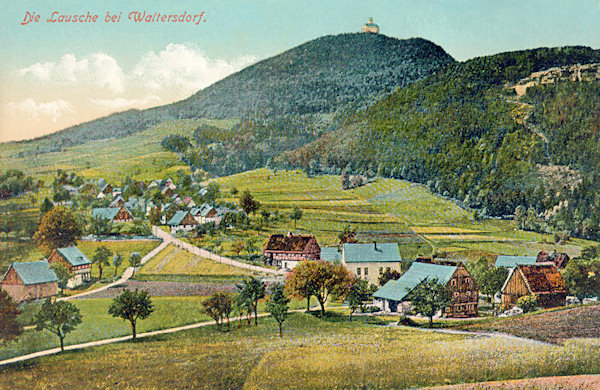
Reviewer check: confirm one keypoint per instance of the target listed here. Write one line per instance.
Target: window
(466, 280)
(453, 282)
(284, 264)
(358, 271)
(366, 271)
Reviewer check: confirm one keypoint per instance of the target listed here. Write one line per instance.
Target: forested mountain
(457, 132)
(320, 76)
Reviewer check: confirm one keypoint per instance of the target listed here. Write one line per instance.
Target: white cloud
(52, 110)
(98, 69)
(185, 67)
(121, 103)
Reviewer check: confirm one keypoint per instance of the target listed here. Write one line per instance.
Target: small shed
(29, 281)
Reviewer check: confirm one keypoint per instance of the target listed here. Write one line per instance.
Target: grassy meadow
(314, 353)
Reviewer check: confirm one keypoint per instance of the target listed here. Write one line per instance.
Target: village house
(559, 259)
(331, 254)
(205, 214)
(189, 202)
(28, 281)
(117, 202)
(286, 251)
(112, 214)
(394, 296)
(104, 188)
(369, 261)
(167, 192)
(509, 262)
(542, 280)
(75, 262)
(182, 221)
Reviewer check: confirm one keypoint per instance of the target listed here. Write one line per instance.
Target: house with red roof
(542, 280)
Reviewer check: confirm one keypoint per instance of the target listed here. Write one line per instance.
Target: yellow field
(463, 237)
(442, 230)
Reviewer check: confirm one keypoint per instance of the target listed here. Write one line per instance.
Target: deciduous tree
(60, 318)
(248, 203)
(132, 306)
(278, 306)
(62, 273)
(10, 327)
(218, 307)
(296, 215)
(101, 256)
(58, 228)
(253, 290)
(117, 261)
(359, 293)
(429, 297)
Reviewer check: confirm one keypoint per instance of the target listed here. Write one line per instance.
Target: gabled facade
(542, 280)
(113, 214)
(369, 261)
(394, 296)
(182, 221)
(286, 251)
(76, 262)
(29, 281)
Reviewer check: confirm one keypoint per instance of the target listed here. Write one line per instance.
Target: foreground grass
(314, 353)
(98, 324)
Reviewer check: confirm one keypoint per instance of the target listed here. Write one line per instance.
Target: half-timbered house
(287, 250)
(75, 262)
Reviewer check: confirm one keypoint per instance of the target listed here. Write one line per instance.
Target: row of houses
(186, 220)
(537, 275)
(37, 279)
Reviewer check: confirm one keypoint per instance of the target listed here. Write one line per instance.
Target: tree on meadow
(100, 258)
(132, 306)
(429, 297)
(296, 215)
(253, 290)
(60, 318)
(248, 203)
(117, 261)
(278, 306)
(58, 228)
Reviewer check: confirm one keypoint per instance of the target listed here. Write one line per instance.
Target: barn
(29, 281)
(542, 280)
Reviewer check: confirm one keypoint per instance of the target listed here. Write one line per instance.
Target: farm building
(76, 262)
(286, 251)
(542, 280)
(369, 261)
(104, 188)
(182, 221)
(559, 259)
(331, 254)
(28, 281)
(511, 261)
(113, 214)
(394, 296)
(117, 202)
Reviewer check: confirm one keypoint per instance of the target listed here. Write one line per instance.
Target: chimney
(375, 244)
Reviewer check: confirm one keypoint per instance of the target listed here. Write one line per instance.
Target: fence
(209, 255)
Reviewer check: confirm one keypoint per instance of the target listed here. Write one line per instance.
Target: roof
(35, 272)
(331, 254)
(511, 261)
(543, 278)
(74, 256)
(177, 218)
(372, 253)
(397, 290)
(105, 212)
(288, 242)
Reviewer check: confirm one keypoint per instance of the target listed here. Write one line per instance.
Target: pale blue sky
(235, 34)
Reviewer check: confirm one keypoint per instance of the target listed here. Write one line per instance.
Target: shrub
(527, 303)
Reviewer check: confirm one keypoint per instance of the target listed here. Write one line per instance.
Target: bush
(527, 303)
(407, 321)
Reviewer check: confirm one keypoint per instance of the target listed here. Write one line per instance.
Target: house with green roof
(182, 221)
(395, 296)
(512, 261)
(369, 261)
(75, 262)
(331, 254)
(112, 214)
(29, 281)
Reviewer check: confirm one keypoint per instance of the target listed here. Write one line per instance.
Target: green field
(139, 156)
(174, 261)
(314, 353)
(384, 210)
(98, 324)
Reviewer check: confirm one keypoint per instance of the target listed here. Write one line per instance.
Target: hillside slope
(319, 76)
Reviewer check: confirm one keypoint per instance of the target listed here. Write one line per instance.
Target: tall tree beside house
(117, 261)
(101, 256)
(278, 306)
(489, 279)
(10, 327)
(582, 277)
(60, 318)
(248, 203)
(296, 215)
(58, 228)
(429, 297)
(358, 294)
(253, 290)
(319, 278)
(132, 306)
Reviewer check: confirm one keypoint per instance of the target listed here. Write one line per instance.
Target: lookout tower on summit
(370, 27)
